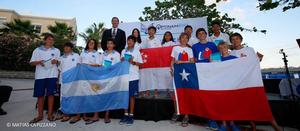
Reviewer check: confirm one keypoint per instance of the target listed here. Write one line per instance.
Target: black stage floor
(285, 112)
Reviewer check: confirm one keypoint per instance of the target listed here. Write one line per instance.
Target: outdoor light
(287, 72)
(298, 41)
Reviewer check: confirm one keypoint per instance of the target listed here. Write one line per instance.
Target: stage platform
(162, 108)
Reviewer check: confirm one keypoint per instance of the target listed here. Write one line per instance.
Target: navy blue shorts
(46, 86)
(133, 88)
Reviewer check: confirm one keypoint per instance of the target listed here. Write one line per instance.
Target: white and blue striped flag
(94, 89)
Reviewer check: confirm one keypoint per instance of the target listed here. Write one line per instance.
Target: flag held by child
(155, 70)
(229, 90)
(94, 89)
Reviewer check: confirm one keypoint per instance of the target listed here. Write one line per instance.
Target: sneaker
(234, 128)
(213, 125)
(174, 118)
(129, 121)
(222, 128)
(123, 120)
(185, 122)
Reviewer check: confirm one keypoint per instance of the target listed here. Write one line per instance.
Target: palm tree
(20, 28)
(62, 33)
(62, 30)
(93, 32)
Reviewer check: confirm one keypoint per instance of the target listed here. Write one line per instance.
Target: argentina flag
(95, 89)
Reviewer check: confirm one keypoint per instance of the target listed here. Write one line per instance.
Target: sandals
(174, 118)
(36, 120)
(51, 118)
(185, 122)
(85, 119)
(75, 120)
(91, 121)
(106, 121)
(64, 119)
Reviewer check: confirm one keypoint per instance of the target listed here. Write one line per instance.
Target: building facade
(40, 23)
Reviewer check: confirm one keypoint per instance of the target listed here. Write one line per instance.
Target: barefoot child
(45, 58)
(181, 54)
(134, 57)
(110, 57)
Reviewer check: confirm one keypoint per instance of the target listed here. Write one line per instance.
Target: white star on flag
(184, 75)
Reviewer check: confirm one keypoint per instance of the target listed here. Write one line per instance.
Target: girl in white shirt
(138, 41)
(168, 39)
(181, 54)
(136, 33)
(92, 57)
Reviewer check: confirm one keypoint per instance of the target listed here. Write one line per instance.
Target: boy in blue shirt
(203, 50)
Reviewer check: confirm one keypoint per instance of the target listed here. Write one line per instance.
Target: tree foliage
(271, 4)
(93, 32)
(179, 9)
(20, 27)
(62, 33)
(19, 39)
(15, 51)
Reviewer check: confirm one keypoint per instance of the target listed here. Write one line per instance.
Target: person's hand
(54, 61)
(260, 56)
(178, 62)
(94, 65)
(41, 62)
(172, 73)
(131, 61)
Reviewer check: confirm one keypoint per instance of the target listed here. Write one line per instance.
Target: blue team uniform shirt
(230, 57)
(202, 51)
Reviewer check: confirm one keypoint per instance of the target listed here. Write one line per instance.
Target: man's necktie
(114, 33)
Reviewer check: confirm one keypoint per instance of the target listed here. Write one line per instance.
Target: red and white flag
(228, 90)
(155, 71)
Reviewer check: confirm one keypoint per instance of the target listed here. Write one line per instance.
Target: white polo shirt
(137, 46)
(222, 37)
(133, 69)
(68, 61)
(91, 57)
(169, 43)
(111, 58)
(48, 70)
(244, 52)
(151, 43)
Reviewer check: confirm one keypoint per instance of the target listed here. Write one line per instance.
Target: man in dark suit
(117, 34)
